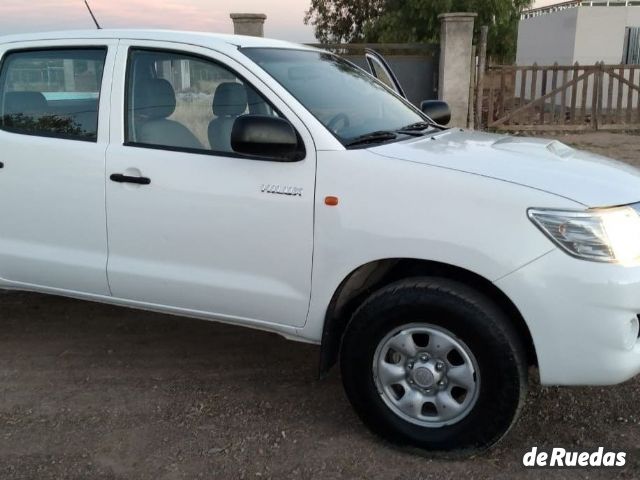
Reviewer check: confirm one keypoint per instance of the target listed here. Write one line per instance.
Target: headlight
(601, 235)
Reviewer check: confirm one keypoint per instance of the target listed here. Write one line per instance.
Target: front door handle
(120, 178)
(1, 165)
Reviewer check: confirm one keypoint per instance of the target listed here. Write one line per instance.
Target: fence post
(554, 97)
(597, 96)
(456, 39)
(600, 94)
(482, 65)
(472, 90)
(534, 88)
(574, 92)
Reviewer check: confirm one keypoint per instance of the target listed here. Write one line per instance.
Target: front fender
(390, 208)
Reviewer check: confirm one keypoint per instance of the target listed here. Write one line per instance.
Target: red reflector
(331, 201)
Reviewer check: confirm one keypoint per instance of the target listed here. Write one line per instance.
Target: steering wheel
(335, 121)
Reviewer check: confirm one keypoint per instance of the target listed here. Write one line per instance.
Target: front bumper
(582, 317)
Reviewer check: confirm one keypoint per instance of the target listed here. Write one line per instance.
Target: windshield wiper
(373, 137)
(419, 127)
(416, 127)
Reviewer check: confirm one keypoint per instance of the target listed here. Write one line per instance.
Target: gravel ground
(90, 391)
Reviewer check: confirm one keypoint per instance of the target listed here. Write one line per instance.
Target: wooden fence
(557, 97)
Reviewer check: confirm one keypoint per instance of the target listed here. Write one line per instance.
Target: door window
(183, 102)
(382, 71)
(53, 93)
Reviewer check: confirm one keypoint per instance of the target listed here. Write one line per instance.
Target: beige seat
(154, 101)
(229, 102)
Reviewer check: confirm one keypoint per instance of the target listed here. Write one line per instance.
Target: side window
(52, 93)
(180, 101)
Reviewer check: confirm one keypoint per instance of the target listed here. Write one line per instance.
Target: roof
(195, 38)
(559, 6)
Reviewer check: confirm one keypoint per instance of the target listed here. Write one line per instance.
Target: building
(580, 31)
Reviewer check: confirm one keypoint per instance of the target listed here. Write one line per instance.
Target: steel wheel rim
(421, 379)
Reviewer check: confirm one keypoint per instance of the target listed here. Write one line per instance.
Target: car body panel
(580, 316)
(52, 191)
(389, 208)
(546, 165)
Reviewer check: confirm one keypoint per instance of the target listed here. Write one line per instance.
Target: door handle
(120, 178)
(1, 165)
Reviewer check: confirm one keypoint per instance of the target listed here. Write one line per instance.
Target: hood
(547, 165)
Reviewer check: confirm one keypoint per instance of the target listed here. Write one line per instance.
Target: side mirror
(266, 137)
(436, 110)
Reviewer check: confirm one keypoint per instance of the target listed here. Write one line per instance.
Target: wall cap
(248, 16)
(453, 16)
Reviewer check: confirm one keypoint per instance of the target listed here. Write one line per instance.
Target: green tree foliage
(343, 20)
(413, 20)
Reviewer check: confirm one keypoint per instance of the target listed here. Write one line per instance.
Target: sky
(284, 17)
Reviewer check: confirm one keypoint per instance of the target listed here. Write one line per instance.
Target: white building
(580, 31)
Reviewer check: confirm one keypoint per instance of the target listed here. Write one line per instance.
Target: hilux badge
(281, 190)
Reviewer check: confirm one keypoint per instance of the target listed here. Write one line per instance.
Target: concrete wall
(600, 33)
(583, 34)
(548, 38)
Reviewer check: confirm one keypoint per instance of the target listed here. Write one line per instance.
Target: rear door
(193, 225)
(54, 112)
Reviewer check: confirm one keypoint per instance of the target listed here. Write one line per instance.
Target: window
(183, 102)
(53, 93)
(348, 101)
(631, 51)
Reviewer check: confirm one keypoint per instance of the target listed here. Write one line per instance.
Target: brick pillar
(456, 41)
(251, 24)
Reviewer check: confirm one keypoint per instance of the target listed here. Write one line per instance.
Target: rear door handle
(120, 178)
(1, 165)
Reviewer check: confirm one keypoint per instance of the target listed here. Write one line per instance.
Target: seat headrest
(154, 99)
(230, 100)
(24, 102)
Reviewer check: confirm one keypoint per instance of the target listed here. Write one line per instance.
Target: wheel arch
(368, 278)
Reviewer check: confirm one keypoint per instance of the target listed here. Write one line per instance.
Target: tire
(480, 334)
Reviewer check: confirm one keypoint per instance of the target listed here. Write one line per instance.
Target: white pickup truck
(279, 187)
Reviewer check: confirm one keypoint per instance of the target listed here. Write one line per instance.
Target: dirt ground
(89, 391)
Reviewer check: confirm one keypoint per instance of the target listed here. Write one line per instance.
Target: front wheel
(433, 364)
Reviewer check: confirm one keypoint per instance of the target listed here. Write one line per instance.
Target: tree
(338, 21)
(413, 20)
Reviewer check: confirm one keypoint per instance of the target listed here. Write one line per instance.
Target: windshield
(347, 100)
